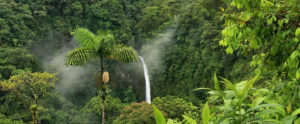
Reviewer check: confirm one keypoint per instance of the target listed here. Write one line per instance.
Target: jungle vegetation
(215, 61)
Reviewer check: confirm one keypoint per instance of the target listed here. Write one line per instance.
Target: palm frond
(85, 38)
(105, 39)
(124, 54)
(80, 56)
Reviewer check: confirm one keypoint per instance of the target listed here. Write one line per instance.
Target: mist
(71, 78)
(153, 52)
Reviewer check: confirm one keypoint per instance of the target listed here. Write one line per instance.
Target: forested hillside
(209, 61)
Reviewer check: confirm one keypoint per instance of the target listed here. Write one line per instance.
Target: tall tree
(98, 46)
(30, 88)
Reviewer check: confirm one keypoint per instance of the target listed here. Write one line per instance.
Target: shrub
(136, 113)
(173, 106)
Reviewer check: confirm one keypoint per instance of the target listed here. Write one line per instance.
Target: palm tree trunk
(103, 112)
(103, 89)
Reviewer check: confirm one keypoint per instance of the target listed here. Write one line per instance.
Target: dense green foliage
(211, 61)
(173, 107)
(92, 110)
(16, 61)
(25, 92)
(266, 30)
(136, 113)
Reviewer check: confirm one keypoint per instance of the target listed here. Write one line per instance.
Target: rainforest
(149, 62)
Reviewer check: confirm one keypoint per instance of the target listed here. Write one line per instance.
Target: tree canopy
(209, 61)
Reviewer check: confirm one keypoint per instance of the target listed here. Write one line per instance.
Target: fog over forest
(149, 61)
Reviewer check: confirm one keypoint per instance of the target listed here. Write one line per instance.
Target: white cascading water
(147, 81)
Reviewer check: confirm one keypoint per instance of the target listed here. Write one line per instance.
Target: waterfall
(147, 81)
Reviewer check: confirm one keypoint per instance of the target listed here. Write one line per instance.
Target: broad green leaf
(296, 112)
(224, 32)
(288, 108)
(189, 120)
(248, 85)
(253, 43)
(170, 121)
(159, 117)
(205, 114)
(280, 110)
(247, 15)
(216, 82)
(265, 112)
(273, 120)
(297, 33)
(298, 74)
(288, 119)
(297, 121)
(263, 106)
(223, 43)
(230, 32)
(257, 101)
(270, 20)
(202, 89)
(229, 50)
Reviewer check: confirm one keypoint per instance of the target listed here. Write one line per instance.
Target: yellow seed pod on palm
(105, 77)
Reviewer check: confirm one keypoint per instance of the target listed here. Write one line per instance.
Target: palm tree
(98, 46)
